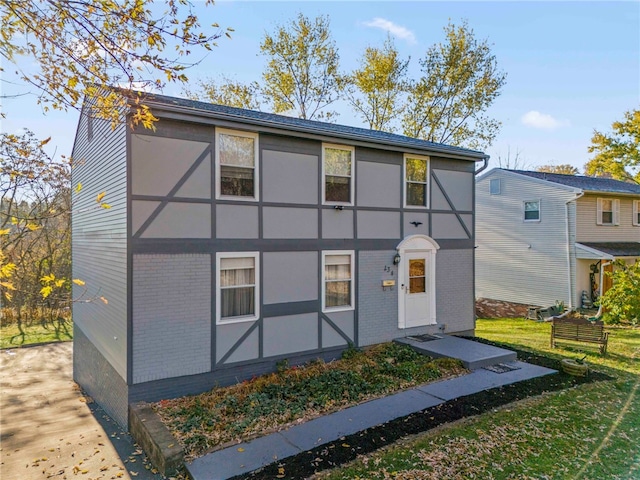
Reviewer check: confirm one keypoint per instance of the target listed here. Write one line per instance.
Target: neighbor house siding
(589, 231)
(99, 245)
(517, 261)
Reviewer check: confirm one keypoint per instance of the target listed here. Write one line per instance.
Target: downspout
(569, 276)
(485, 164)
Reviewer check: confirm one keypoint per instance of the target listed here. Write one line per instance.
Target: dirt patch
(488, 308)
(348, 448)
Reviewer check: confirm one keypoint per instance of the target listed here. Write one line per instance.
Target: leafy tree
(564, 169)
(622, 301)
(80, 46)
(460, 82)
(302, 72)
(617, 154)
(226, 92)
(375, 89)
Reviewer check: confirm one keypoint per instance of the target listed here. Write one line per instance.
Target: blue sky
(572, 67)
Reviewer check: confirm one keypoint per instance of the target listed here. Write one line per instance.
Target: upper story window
(532, 211)
(636, 213)
(237, 289)
(337, 167)
(416, 185)
(608, 211)
(494, 186)
(236, 164)
(337, 280)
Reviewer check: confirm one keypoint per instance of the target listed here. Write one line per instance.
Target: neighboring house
(544, 237)
(238, 238)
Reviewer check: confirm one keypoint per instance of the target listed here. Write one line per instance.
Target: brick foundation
(488, 308)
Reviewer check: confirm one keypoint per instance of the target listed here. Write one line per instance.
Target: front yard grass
(46, 332)
(588, 431)
(263, 404)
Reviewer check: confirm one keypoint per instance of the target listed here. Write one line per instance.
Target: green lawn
(590, 431)
(58, 331)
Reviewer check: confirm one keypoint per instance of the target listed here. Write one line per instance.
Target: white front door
(417, 289)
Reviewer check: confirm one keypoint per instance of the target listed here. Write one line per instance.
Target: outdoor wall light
(396, 259)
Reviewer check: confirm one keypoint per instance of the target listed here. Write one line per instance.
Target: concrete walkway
(246, 457)
(49, 429)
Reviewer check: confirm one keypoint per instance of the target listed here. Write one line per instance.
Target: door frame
(417, 244)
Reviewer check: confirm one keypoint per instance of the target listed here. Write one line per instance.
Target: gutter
(569, 276)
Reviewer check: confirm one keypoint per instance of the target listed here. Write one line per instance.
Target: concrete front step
(473, 355)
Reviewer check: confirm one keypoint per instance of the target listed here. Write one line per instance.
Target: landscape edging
(162, 449)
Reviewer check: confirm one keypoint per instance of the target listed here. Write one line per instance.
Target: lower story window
(237, 298)
(337, 280)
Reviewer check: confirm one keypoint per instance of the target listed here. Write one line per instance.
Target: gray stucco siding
(290, 144)
(180, 220)
(290, 334)
(447, 225)
(344, 322)
(227, 335)
(281, 222)
(421, 218)
(249, 349)
(158, 163)
(237, 221)
(337, 223)
(378, 224)
(458, 187)
(289, 177)
(377, 185)
(289, 276)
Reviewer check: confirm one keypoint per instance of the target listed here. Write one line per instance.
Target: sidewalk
(247, 457)
(48, 429)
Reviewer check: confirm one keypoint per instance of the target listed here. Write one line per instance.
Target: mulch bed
(348, 448)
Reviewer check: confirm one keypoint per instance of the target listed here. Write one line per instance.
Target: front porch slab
(473, 355)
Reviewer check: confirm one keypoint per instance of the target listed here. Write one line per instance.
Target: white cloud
(147, 87)
(395, 30)
(544, 121)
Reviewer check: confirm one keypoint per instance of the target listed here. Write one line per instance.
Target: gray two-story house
(237, 238)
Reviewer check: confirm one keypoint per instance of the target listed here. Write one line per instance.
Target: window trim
(352, 183)
(492, 182)
(342, 308)
(615, 212)
(256, 164)
(524, 211)
(635, 219)
(246, 318)
(427, 183)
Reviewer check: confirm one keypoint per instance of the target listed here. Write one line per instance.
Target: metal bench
(579, 330)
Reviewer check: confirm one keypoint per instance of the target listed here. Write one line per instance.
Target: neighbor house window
(494, 186)
(337, 165)
(532, 211)
(237, 290)
(416, 176)
(608, 211)
(236, 164)
(337, 280)
(636, 213)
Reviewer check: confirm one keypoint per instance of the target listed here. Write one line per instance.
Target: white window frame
(404, 181)
(256, 164)
(245, 318)
(498, 190)
(342, 308)
(636, 213)
(615, 212)
(524, 212)
(352, 178)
